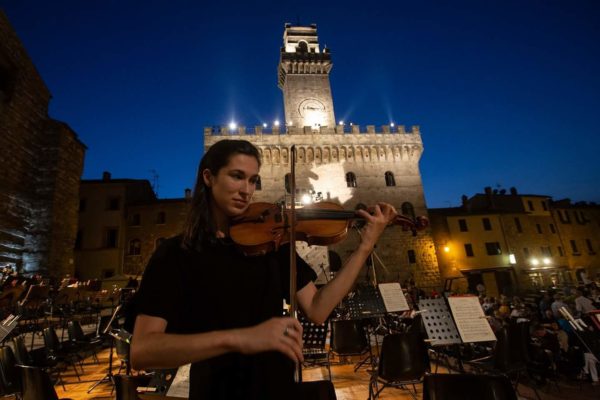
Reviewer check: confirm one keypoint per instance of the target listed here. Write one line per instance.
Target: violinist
(202, 301)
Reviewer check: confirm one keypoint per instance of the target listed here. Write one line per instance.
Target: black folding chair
(403, 361)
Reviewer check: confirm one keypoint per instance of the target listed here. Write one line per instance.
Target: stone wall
(325, 156)
(41, 162)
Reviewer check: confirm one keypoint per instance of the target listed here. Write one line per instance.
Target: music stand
(7, 326)
(109, 377)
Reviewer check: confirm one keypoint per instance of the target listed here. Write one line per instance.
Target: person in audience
(583, 304)
(202, 301)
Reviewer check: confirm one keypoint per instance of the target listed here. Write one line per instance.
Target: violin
(265, 226)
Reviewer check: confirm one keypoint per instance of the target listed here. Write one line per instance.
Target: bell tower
(304, 78)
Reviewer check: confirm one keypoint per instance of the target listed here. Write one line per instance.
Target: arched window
(302, 47)
(258, 184)
(350, 179)
(408, 210)
(288, 183)
(135, 247)
(389, 179)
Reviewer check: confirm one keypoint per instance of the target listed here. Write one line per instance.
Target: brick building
(512, 242)
(41, 160)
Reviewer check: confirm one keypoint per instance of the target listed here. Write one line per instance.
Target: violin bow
(292, 234)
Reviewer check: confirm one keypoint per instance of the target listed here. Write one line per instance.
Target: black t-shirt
(215, 289)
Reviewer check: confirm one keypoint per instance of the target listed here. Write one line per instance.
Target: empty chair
(57, 352)
(510, 356)
(126, 385)
(37, 384)
(467, 387)
(10, 382)
(86, 343)
(348, 338)
(314, 338)
(403, 360)
(22, 356)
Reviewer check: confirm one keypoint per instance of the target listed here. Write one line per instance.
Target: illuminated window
(135, 247)
(350, 179)
(389, 179)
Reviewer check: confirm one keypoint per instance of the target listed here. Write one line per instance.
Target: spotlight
(232, 126)
(535, 261)
(276, 123)
(264, 125)
(546, 261)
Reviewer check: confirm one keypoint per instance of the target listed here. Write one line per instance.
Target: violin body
(265, 226)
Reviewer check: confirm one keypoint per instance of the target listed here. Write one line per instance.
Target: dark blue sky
(506, 92)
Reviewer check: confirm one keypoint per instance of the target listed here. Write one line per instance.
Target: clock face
(309, 107)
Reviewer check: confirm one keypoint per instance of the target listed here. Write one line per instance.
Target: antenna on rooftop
(154, 181)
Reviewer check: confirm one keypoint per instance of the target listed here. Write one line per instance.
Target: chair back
(37, 384)
(126, 385)
(314, 336)
(51, 341)
(403, 357)
(22, 356)
(75, 332)
(508, 352)
(10, 381)
(467, 387)
(348, 337)
(520, 339)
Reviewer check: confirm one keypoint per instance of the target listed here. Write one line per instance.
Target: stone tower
(304, 78)
(344, 164)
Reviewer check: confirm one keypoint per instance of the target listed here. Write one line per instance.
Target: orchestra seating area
(69, 341)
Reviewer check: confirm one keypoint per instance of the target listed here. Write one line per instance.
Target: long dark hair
(199, 224)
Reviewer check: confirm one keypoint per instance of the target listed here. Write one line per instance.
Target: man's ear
(207, 176)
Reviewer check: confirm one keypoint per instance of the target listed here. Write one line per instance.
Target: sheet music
(393, 297)
(180, 387)
(470, 319)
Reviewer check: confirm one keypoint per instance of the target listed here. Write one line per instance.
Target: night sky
(507, 93)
